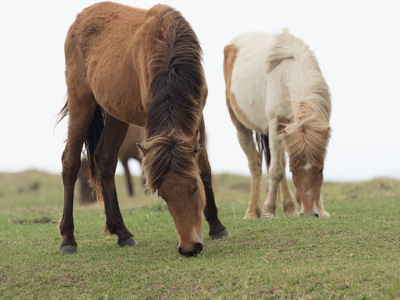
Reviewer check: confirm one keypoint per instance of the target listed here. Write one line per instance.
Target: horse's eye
(196, 186)
(320, 171)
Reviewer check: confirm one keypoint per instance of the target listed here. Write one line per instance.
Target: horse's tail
(92, 139)
(262, 142)
(286, 47)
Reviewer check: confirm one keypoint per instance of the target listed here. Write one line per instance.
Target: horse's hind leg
(106, 157)
(245, 137)
(217, 229)
(128, 177)
(80, 115)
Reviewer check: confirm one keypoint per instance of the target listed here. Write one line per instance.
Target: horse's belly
(129, 111)
(249, 109)
(117, 91)
(122, 103)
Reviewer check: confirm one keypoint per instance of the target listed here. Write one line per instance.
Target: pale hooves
(268, 216)
(294, 213)
(128, 242)
(251, 216)
(68, 249)
(220, 235)
(324, 214)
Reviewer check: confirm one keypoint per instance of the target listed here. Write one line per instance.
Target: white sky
(357, 44)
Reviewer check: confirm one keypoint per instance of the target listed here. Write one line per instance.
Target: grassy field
(354, 254)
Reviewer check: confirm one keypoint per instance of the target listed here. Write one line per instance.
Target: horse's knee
(255, 168)
(70, 167)
(276, 175)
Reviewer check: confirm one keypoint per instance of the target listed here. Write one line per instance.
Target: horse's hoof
(292, 213)
(128, 242)
(220, 235)
(268, 216)
(251, 216)
(68, 249)
(324, 214)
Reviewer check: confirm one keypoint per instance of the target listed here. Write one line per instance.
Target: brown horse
(127, 65)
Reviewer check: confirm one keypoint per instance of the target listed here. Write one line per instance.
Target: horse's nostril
(198, 247)
(316, 215)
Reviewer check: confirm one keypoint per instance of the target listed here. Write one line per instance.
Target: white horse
(275, 88)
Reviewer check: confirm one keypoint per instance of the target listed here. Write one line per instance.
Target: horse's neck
(307, 92)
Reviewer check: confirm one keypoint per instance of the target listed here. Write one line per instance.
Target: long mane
(178, 92)
(307, 135)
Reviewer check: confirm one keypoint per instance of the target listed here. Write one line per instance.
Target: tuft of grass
(353, 254)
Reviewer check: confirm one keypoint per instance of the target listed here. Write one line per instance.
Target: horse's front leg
(276, 170)
(106, 157)
(289, 206)
(217, 229)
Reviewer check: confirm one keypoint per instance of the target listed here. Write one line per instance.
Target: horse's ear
(142, 150)
(195, 141)
(326, 132)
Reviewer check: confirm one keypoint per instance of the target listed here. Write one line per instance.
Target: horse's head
(307, 148)
(170, 166)
(186, 200)
(308, 180)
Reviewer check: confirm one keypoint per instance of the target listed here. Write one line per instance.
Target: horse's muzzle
(197, 248)
(311, 215)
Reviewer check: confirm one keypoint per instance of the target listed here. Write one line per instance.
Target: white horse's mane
(308, 131)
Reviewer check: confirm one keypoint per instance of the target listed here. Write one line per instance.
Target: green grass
(354, 254)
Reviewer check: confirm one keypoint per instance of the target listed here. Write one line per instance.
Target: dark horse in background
(127, 151)
(133, 66)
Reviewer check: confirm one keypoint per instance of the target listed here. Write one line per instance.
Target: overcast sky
(357, 44)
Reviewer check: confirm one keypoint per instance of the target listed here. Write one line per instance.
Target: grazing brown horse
(133, 66)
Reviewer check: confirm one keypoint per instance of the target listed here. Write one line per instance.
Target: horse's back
(246, 65)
